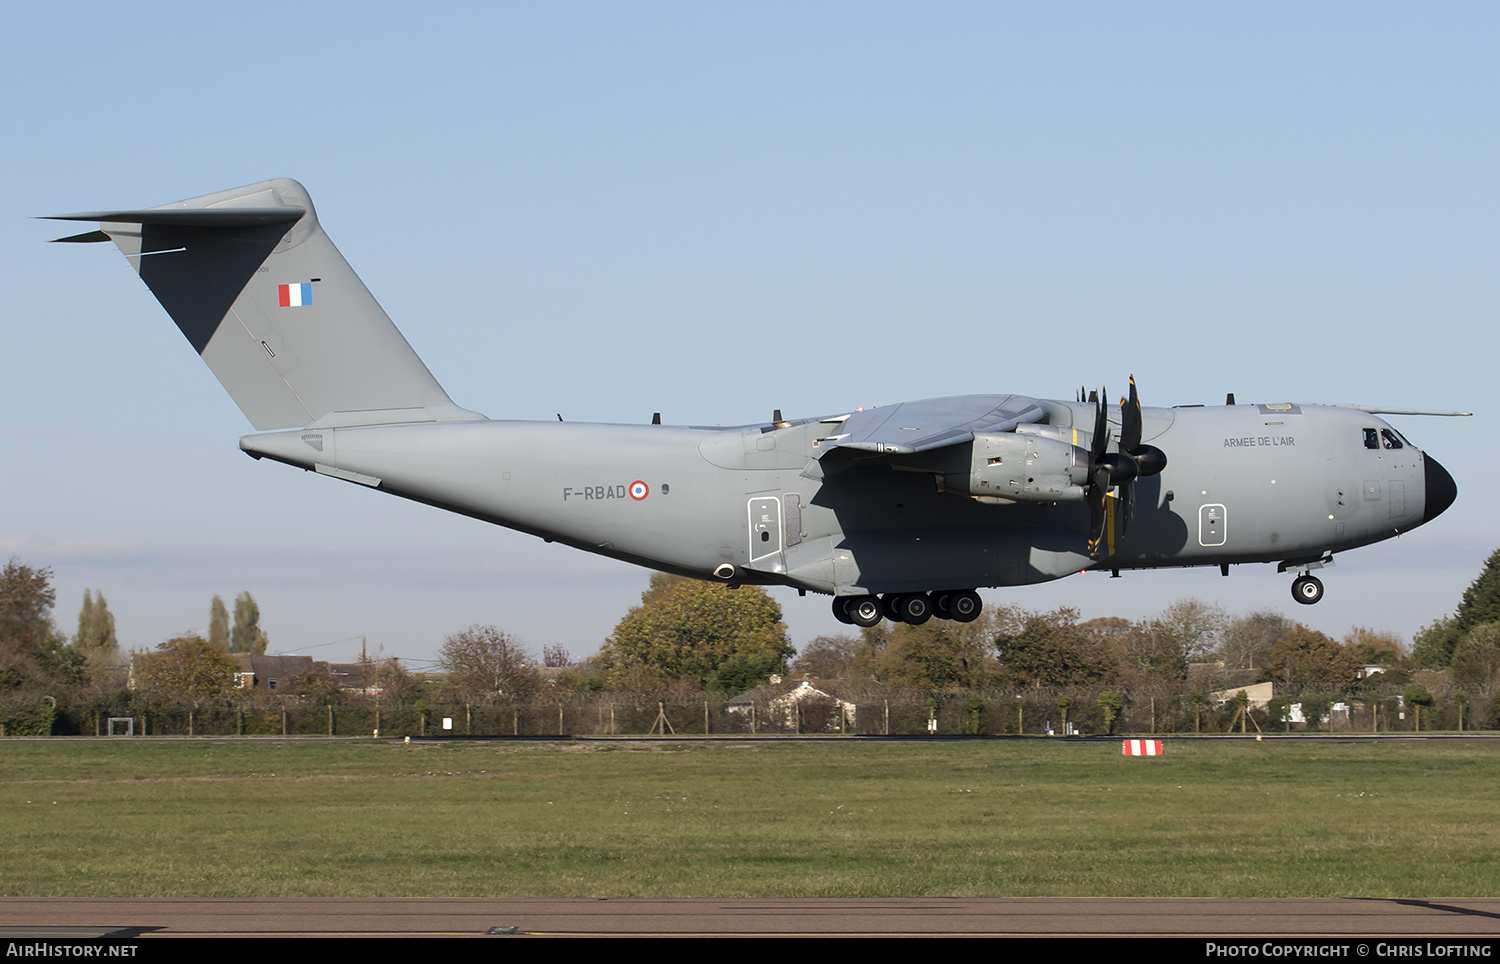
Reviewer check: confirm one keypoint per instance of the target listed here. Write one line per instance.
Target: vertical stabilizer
(274, 309)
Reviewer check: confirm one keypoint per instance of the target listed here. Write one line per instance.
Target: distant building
(798, 706)
(268, 672)
(355, 677)
(1260, 695)
(272, 673)
(1337, 713)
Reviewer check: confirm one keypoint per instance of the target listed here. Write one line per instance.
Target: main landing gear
(1307, 589)
(959, 605)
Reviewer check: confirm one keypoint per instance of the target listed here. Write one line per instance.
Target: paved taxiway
(1025, 916)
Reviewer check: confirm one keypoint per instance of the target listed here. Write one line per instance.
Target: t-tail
(274, 309)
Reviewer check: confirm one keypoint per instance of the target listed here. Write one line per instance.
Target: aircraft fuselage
(1244, 483)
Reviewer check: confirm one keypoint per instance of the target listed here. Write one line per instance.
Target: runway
(885, 917)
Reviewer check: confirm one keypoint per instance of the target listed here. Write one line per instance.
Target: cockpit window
(1391, 441)
(1372, 439)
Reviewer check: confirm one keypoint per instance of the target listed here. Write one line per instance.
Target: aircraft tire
(841, 609)
(865, 611)
(965, 607)
(915, 608)
(1307, 589)
(940, 602)
(890, 607)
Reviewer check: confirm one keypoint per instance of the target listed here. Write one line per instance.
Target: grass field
(739, 819)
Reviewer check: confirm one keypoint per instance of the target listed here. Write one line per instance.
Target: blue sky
(601, 209)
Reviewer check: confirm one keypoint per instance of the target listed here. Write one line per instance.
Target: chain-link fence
(892, 712)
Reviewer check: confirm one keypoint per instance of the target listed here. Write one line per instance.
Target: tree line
(691, 642)
(45, 674)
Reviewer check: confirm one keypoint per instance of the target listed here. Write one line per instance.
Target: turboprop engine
(1023, 468)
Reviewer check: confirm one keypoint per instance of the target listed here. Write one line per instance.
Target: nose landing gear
(1307, 589)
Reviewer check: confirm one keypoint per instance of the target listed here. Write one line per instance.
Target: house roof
(792, 689)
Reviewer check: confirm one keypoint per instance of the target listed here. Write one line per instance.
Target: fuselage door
(1213, 525)
(765, 528)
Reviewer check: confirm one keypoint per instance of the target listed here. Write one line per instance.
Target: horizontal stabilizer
(88, 237)
(215, 218)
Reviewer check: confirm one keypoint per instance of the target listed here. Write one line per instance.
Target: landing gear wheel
(865, 611)
(1307, 589)
(890, 606)
(965, 607)
(841, 609)
(940, 601)
(915, 608)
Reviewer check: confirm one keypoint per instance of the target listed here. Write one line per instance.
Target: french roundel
(639, 490)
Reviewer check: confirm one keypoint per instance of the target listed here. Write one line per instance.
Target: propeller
(1150, 459)
(1120, 469)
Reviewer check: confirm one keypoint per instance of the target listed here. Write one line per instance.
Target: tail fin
(277, 313)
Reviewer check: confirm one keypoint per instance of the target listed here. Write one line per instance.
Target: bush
(27, 720)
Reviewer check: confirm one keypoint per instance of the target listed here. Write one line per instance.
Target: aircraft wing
(934, 423)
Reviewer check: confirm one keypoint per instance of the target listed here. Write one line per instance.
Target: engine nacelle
(1023, 468)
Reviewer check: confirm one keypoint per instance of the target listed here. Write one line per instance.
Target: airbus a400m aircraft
(899, 512)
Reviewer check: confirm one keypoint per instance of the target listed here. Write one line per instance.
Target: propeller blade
(1101, 432)
(1098, 489)
(1100, 472)
(1130, 421)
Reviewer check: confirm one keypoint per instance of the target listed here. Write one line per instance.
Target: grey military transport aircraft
(899, 511)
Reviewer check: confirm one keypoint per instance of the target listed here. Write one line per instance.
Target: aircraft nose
(1441, 489)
